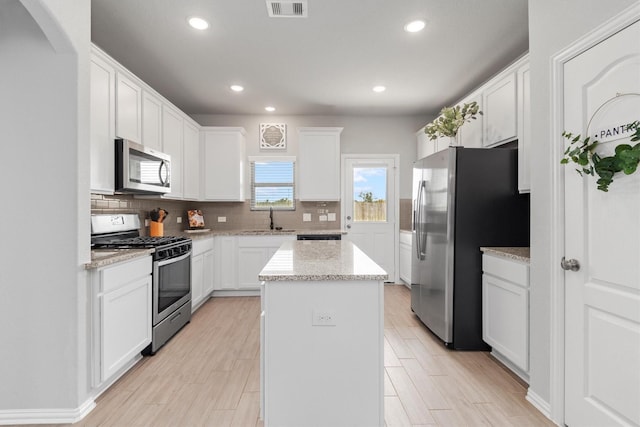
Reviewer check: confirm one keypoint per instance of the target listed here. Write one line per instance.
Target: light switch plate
(322, 218)
(331, 216)
(306, 217)
(179, 219)
(222, 219)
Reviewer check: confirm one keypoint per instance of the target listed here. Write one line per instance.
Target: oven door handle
(172, 260)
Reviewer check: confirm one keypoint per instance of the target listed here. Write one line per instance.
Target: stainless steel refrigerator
(464, 198)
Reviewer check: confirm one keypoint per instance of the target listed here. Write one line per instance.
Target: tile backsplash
(238, 215)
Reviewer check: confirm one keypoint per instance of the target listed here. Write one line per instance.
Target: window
(272, 183)
(370, 194)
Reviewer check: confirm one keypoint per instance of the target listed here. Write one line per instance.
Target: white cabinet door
(173, 145)
(251, 261)
(191, 162)
(209, 265)
(128, 109)
(102, 124)
(499, 102)
(226, 268)
(424, 146)
(505, 311)
(524, 129)
(505, 319)
(121, 315)
(197, 280)
(405, 257)
(224, 163)
(470, 134)
(318, 164)
(151, 121)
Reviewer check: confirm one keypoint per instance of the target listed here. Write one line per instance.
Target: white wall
(362, 135)
(553, 25)
(44, 47)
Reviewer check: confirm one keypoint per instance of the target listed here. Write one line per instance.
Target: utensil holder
(156, 229)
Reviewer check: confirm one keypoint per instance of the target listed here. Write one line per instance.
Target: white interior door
(602, 298)
(369, 208)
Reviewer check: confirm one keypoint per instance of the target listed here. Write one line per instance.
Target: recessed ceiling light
(270, 109)
(379, 89)
(414, 26)
(236, 88)
(198, 23)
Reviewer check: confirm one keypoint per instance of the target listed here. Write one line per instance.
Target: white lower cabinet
(405, 257)
(240, 260)
(120, 316)
(202, 269)
(505, 311)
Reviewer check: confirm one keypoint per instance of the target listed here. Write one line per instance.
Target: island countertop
(321, 260)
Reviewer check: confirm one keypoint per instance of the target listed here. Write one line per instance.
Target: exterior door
(370, 208)
(602, 298)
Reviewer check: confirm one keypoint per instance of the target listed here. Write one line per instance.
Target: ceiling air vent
(287, 8)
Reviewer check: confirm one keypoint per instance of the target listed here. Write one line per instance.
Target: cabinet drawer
(507, 269)
(120, 274)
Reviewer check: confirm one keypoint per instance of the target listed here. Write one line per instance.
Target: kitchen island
(322, 349)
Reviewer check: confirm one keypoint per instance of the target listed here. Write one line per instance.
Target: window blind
(272, 184)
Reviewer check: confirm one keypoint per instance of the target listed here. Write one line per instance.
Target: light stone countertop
(321, 260)
(104, 257)
(516, 253)
(262, 232)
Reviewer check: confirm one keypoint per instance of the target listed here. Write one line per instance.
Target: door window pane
(370, 194)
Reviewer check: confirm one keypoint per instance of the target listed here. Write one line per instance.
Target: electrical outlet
(179, 219)
(324, 318)
(306, 217)
(222, 219)
(146, 222)
(331, 216)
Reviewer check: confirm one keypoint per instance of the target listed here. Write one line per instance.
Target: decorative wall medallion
(273, 136)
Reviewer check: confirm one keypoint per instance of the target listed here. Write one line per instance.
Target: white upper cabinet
(524, 129)
(191, 162)
(470, 134)
(499, 108)
(224, 162)
(425, 147)
(102, 124)
(172, 144)
(318, 164)
(151, 121)
(128, 108)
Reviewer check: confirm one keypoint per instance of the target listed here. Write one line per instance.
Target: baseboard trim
(540, 404)
(46, 416)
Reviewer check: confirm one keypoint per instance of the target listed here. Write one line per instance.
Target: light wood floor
(208, 375)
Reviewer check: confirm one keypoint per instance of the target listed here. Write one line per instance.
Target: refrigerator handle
(418, 224)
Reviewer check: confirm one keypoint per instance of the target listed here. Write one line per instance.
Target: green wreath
(582, 152)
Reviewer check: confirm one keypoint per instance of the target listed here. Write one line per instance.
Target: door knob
(348, 226)
(570, 264)
(349, 218)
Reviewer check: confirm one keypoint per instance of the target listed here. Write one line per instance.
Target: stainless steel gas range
(171, 271)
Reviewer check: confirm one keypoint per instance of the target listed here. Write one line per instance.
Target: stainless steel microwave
(141, 169)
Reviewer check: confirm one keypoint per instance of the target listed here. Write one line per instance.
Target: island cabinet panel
(329, 373)
(224, 163)
(319, 164)
(500, 112)
(128, 108)
(102, 124)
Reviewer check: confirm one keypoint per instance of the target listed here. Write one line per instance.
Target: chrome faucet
(270, 217)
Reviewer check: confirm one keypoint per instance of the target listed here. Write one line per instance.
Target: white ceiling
(321, 65)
